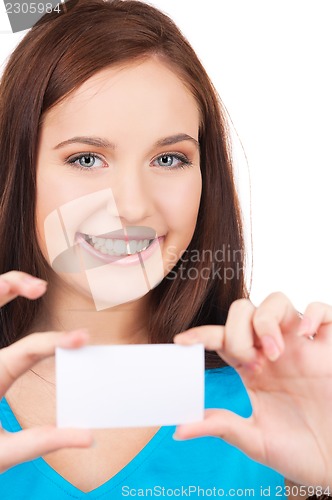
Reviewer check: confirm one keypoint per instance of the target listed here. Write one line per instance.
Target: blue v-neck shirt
(203, 467)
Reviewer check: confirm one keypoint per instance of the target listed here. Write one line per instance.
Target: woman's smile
(127, 250)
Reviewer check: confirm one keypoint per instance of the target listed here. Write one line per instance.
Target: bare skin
(296, 383)
(92, 452)
(289, 380)
(15, 360)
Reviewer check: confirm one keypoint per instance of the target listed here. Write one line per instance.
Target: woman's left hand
(285, 363)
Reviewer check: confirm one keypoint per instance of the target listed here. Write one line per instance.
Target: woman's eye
(91, 161)
(172, 161)
(86, 161)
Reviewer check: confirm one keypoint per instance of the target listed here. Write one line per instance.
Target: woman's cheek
(181, 203)
(180, 209)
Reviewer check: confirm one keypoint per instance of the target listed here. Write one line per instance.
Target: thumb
(237, 431)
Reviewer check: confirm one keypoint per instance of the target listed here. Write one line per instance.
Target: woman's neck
(65, 309)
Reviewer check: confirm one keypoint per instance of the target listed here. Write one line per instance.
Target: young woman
(117, 191)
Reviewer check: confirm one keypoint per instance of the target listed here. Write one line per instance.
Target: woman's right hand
(17, 447)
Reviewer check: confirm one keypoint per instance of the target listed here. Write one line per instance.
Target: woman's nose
(131, 198)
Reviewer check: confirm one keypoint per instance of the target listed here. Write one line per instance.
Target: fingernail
(4, 285)
(192, 340)
(253, 367)
(188, 333)
(81, 331)
(305, 326)
(30, 280)
(84, 334)
(270, 347)
(188, 337)
(176, 437)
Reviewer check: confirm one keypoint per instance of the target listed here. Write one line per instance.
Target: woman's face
(118, 181)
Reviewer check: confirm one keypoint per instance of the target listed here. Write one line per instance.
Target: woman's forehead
(145, 90)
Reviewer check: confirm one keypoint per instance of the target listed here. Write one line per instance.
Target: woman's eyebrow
(173, 139)
(106, 144)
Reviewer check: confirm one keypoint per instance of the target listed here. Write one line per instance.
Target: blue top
(195, 468)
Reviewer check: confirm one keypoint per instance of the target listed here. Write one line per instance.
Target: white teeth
(133, 246)
(109, 244)
(117, 247)
(142, 245)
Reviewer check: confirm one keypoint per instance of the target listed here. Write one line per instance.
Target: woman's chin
(103, 290)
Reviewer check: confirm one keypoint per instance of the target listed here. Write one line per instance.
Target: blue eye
(166, 161)
(87, 161)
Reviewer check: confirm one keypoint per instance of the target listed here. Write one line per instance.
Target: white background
(271, 64)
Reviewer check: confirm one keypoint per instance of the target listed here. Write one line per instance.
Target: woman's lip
(136, 233)
(133, 259)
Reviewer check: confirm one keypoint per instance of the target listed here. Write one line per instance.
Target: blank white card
(129, 385)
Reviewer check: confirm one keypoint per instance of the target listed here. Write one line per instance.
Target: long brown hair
(57, 55)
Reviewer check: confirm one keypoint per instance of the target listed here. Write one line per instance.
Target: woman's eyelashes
(166, 161)
(87, 161)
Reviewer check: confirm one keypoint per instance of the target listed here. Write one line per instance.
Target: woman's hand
(15, 360)
(15, 283)
(285, 363)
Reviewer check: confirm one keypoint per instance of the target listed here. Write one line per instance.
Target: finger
(240, 344)
(236, 430)
(211, 336)
(216, 423)
(23, 354)
(28, 444)
(15, 283)
(317, 319)
(234, 342)
(275, 315)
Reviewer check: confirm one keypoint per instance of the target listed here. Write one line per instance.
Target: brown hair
(57, 55)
